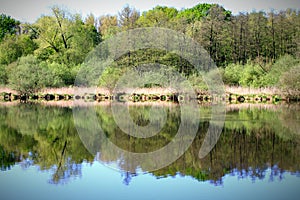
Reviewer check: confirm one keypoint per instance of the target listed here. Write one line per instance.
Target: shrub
(290, 81)
(110, 77)
(282, 65)
(63, 74)
(232, 74)
(3, 75)
(29, 76)
(251, 76)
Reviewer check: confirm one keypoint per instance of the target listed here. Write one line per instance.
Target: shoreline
(232, 95)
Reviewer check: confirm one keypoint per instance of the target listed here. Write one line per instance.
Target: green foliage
(251, 76)
(197, 82)
(8, 26)
(201, 11)
(281, 66)
(195, 13)
(158, 16)
(63, 74)
(109, 77)
(290, 80)
(9, 50)
(64, 38)
(3, 75)
(232, 74)
(30, 75)
(13, 47)
(84, 39)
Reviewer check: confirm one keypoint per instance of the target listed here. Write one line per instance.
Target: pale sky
(30, 10)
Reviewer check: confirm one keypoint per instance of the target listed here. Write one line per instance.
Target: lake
(44, 156)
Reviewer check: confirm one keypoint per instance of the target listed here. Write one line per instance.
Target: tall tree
(273, 34)
(8, 25)
(195, 13)
(214, 28)
(63, 37)
(108, 25)
(91, 20)
(15, 46)
(243, 39)
(128, 17)
(258, 42)
(158, 16)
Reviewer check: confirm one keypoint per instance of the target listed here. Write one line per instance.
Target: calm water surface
(42, 156)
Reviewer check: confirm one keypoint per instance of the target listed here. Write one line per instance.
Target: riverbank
(232, 95)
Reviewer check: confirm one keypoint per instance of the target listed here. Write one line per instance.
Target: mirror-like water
(256, 157)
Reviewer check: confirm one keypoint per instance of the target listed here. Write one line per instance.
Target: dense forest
(257, 49)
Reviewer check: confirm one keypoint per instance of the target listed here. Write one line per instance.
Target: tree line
(257, 49)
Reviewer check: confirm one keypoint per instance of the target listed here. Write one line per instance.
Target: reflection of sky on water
(100, 182)
(254, 140)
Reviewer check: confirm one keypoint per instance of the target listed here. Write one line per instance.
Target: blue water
(101, 182)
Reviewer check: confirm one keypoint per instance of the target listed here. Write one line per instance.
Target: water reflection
(254, 140)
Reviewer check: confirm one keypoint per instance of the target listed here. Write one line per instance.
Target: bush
(290, 81)
(282, 65)
(29, 76)
(252, 76)
(232, 74)
(110, 77)
(3, 75)
(63, 74)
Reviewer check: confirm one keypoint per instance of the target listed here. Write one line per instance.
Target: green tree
(10, 51)
(158, 16)
(251, 76)
(64, 38)
(29, 75)
(258, 33)
(8, 26)
(3, 75)
(282, 65)
(85, 37)
(64, 74)
(195, 13)
(109, 77)
(214, 32)
(15, 46)
(232, 74)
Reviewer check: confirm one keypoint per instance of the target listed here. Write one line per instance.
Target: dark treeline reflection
(253, 140)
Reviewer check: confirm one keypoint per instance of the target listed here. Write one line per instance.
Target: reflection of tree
(244, 149)
(7, 159)
(51, 142)
(127, 177)
(64, 172)
(290, 118)
(252, 142)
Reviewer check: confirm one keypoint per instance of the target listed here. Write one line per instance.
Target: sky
(31, 10)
